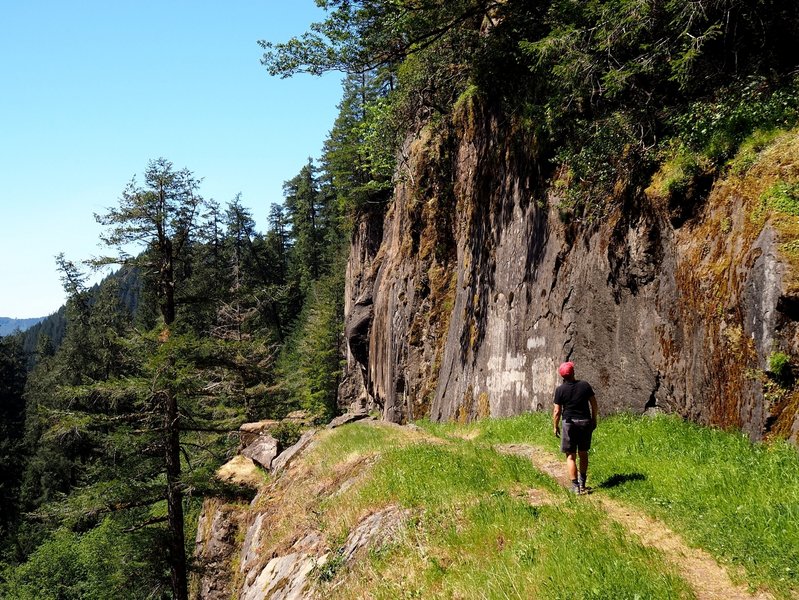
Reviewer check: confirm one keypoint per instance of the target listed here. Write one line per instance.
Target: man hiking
(576, 404)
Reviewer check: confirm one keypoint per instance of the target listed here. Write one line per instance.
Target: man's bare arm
(556, 411)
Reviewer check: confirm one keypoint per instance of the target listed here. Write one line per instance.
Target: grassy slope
(473, 532)
(738, 500)
(487, 525)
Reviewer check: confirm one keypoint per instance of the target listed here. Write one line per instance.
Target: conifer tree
(162, 216)
(303, 207)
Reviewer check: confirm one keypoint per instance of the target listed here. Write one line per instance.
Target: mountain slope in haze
(9, 325)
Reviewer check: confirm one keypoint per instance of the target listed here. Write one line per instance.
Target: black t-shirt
(573, 397)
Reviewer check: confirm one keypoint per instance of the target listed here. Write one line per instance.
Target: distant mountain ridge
(9, 325)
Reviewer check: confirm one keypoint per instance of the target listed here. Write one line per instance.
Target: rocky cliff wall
(473, 288)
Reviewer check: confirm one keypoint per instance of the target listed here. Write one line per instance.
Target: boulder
(263, 451)
(287, 577)
(283, 578)
(289, 454)
(375, 530)
(241, 471)
(348, 418)
(249, 432)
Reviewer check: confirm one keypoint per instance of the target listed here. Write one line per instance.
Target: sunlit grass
(472, 534)
(736, 499)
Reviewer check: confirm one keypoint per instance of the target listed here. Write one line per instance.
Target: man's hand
(556, 411)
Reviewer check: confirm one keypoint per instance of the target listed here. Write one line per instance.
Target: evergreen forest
(115, 416)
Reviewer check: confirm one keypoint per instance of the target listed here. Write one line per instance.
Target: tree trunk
(167, 282)
(174, 499)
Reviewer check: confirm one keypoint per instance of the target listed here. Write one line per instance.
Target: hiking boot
(577, 490)
(582, 488)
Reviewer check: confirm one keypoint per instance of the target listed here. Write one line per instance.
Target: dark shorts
(576, 435)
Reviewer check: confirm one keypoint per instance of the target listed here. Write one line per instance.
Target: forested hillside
(427, 264)
(129, 410)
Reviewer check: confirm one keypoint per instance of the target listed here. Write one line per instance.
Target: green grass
(474, 534)
(501, 547)
(736, 499)
(783, 197)
(751, 147)
(354, 440)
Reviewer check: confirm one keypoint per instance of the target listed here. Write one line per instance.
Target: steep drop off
(465, 295)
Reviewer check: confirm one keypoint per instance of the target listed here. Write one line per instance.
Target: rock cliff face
(467, 293)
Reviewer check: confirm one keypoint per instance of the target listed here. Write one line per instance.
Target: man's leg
(571, 465)
(571, 468)
(583, 455)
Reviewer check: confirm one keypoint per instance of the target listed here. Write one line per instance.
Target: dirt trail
(707, 578)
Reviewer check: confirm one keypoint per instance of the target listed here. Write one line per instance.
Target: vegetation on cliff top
(611, 88)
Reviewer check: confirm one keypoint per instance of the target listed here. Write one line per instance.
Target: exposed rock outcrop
(263, 451)
(273, 549)
(348, 417)
(249, 432)
(478, 288)
(215, 546)
(284, 459)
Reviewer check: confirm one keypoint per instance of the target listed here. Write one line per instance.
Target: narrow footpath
(707, 578)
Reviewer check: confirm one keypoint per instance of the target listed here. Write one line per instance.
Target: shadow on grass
(620, 479)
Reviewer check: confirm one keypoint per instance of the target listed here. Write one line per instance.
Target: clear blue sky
(92, 90)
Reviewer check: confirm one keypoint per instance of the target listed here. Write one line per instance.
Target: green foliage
(604, 85)
(359, 153)
(378, 132)
(783, 198)
(604, 159)
(779, 365)
(717, 127)
(749, 149)
(101, 564)
(126, 409)
(329, 570)
(304, 204)
(309, 366)
(159, 219)
(357, 37)
(287, 433)
(12, 418)
(681, 171)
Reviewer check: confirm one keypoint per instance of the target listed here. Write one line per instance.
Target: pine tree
(303, 207)
(162, 216)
